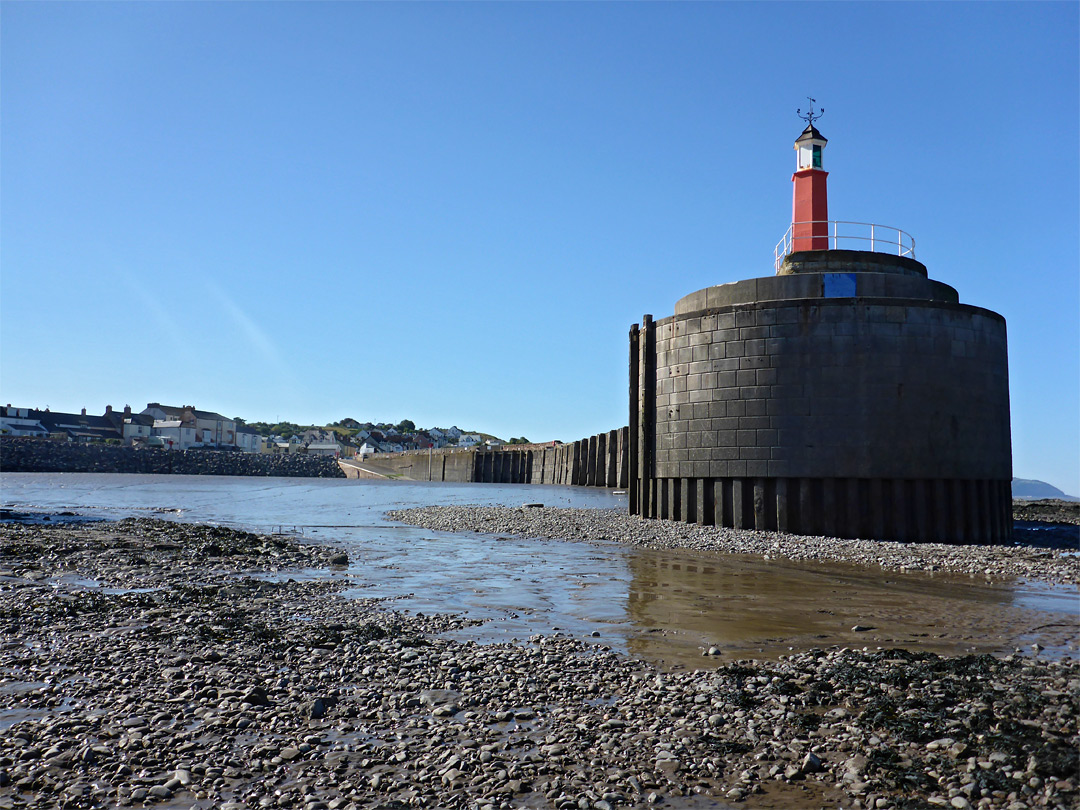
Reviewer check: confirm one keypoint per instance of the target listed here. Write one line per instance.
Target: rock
(256, 696)
(811, 763)
(668, 765)
(320, 706)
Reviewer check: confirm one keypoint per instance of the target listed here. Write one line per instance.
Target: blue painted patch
(839, 285)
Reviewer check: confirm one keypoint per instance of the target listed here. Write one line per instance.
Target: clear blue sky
(454, 212)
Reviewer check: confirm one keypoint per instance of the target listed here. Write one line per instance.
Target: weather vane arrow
(810, 116)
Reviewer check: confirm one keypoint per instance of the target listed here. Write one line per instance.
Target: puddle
(1042, 596)
(40, 518)
(75, 581)
(750, 608)
(665, 606)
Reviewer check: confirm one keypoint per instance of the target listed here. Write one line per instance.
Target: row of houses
(371, 442)
(120, 427)
(186, 427)
(182, 428)
(367, 442)
(155, 426)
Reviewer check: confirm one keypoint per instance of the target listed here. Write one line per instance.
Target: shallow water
(662, 605)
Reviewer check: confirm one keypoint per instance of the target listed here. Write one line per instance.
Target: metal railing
(853, 235)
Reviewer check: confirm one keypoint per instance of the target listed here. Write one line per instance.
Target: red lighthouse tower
(810, 208)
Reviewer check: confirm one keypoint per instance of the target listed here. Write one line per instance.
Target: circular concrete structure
(849, 396)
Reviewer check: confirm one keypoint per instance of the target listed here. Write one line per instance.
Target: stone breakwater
(1056, 564)
(143, 663)
(37, 455)
(1050, 510)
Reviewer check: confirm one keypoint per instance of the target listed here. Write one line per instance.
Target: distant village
(167, 427)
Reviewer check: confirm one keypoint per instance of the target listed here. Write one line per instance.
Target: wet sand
(145, 664)
(797, 594)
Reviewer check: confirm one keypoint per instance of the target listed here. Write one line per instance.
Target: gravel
(1035, 559)
(211, 685)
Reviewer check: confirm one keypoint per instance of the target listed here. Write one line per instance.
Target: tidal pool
(665, 606)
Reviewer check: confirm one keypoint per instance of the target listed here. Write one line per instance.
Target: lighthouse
(810, 206)
(847, 395)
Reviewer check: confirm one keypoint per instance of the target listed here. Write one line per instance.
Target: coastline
(147, 662)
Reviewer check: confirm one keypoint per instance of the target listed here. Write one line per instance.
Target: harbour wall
(42, 455)
(597, 461)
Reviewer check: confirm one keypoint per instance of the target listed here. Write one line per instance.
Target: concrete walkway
(364, 469)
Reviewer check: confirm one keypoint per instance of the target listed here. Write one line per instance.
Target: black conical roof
(811, 132)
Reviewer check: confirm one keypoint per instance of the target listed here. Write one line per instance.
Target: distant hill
(1027, 489)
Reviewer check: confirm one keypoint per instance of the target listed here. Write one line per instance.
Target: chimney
(127, 410)
(108, 410)
(84, 411)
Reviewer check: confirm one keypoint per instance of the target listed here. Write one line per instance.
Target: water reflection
(662, 605)
(748, 607)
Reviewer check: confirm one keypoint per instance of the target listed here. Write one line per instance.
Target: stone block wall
(882, 412)
(842, 388)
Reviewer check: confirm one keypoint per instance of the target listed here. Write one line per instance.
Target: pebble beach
(150, 663)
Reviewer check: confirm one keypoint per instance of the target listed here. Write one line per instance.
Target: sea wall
(42, 455)
(598, 461)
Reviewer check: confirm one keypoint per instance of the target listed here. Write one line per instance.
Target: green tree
(405, 426)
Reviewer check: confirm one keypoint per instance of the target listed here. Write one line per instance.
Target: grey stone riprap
(42, 455)
(883, 414)
(1034, 562)
(218, 689)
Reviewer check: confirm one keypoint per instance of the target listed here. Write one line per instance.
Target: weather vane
(810, 116)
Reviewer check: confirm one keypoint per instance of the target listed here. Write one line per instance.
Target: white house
(175, 434)
(368, 448)
(249, 440)
(135, 428)
(210, 428)
(20, 422)
(470, 440)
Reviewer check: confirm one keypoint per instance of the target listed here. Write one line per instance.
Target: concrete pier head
(848, 395)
